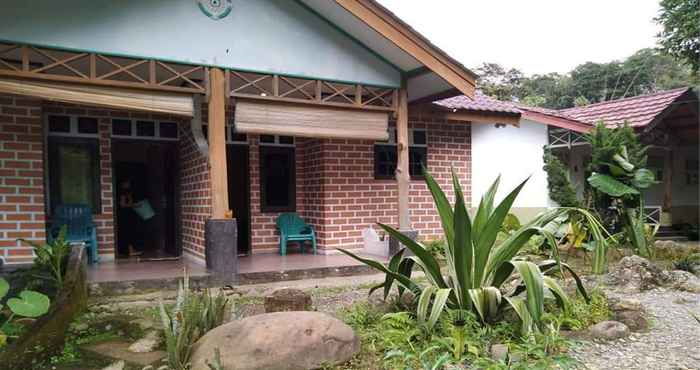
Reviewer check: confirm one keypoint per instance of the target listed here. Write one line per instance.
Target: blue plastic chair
(80, 228)
(293, 229)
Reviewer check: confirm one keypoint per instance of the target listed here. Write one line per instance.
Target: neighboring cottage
(667, 121)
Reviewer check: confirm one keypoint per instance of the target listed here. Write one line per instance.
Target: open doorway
(239, 192)
(146, 172)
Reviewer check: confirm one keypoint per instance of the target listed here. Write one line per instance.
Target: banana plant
(477, 267)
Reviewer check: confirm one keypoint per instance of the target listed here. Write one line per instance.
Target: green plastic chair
(293, 229)
(77, 218)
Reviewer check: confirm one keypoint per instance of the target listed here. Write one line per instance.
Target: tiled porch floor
(259, 263)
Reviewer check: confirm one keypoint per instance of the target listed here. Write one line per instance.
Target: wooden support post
(666, 218)
(402, 174)
(217, 144)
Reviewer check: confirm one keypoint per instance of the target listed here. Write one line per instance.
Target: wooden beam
(481, 118)
(379, 19)
(402, 173)
(668, 180)
(217, 145)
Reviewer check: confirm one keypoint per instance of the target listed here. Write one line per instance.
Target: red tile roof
(480, 103)
(638, 111)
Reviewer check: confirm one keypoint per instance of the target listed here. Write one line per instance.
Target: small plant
(217, 364)
(690, 263)
(28, 304)
(423, 359)
(52, 257)
(193, 315)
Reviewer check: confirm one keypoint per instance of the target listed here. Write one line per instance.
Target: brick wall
(21, 177)
(337, 192)
(195, 193)
(106, 239)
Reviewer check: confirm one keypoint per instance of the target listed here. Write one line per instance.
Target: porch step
(669, 233)
(126, 286)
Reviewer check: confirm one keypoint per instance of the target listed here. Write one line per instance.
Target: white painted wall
(515, 153)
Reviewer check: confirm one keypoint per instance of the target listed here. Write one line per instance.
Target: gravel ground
(673, 342)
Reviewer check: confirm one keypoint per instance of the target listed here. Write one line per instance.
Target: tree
(681, 34)
(497, 82)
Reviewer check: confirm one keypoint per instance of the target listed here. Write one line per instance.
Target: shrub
(561, 190)
(477, 267)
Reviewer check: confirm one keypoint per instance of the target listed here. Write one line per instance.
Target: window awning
(310, 121)
(112, 97)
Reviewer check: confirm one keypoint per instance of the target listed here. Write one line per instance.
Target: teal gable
(270, 36)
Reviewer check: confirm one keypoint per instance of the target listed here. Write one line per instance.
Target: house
(667, 121)
(211, 109)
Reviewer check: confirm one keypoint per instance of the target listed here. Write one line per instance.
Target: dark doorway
(150, 168)
(239, 192)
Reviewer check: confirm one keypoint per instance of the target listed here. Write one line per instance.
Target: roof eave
(407, 39)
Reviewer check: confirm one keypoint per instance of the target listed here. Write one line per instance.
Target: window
(140, 129)
(385, 156)
(277, 179)
(73, 161)
(692, 170)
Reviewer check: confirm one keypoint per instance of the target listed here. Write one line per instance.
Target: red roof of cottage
(638, 111)
(480, 103)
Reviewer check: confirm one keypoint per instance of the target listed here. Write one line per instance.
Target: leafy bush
(583, 314)
(193, 315)
(617, 179)
(477, 268)
(561, 190)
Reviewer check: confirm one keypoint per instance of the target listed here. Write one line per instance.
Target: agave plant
(477, 267)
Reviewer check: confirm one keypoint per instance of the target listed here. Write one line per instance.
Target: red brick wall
(337, 192)
(105, 219)
(21, 177)
(195, 193)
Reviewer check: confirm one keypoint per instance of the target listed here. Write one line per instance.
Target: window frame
(53, 187)
(134, 129)
(291, 187)
(391, 142)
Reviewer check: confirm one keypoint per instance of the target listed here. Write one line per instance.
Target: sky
(534, 36)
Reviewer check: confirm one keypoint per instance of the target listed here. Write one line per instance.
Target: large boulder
(282, 340)
(287, 299)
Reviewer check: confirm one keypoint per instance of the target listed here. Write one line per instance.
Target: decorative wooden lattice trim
(42, 63)
(100, 69)
(310, 91)
(561, 137)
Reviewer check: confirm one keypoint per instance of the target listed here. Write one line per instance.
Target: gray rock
(119, 365)
(287, 299)
(684, 280)
(630, 312)
(499, 352)
(282, 340)
(148, 343)
(609, 330)
(635, 274)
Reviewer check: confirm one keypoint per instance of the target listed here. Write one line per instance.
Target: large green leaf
(486, 301)
(623, 162)
(610, 186)
(423, 257)
(402, 279)
(643, 178)
(532, 277)
(29, 304)
(463, 249)
(520, 308)
(4, 288)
